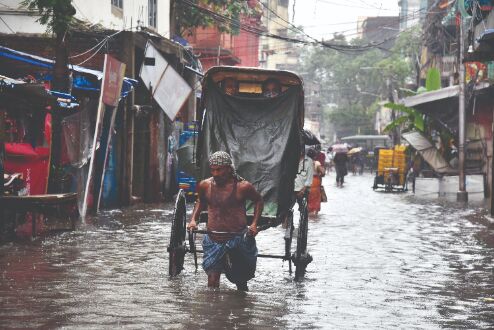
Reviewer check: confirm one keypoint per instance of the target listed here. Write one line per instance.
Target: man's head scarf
(221, 158)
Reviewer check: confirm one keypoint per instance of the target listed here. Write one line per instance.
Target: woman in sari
(315, 189)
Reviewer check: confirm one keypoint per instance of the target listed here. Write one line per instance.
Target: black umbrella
(309, 138)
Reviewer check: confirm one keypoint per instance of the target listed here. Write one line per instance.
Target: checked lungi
(236, 257)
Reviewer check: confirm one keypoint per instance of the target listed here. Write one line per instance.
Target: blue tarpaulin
(79, 82)
(64, 100)
(487, 35)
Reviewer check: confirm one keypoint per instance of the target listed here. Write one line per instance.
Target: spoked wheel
(302, 258)
(288, 239)
(177, 247)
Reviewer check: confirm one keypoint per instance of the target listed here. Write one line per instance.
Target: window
(117, 3)
(282, 32)
(152, 12)
(283, 3)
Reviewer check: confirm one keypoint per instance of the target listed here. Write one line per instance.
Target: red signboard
(112, 82)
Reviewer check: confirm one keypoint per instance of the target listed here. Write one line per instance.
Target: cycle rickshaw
(392, 171)
(265, 138)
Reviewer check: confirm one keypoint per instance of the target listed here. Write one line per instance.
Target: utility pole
(173, 19)
(393, 97)
(462, 195)
(492, 174)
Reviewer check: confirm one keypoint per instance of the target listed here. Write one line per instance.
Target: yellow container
(400, 148)
(386, 152)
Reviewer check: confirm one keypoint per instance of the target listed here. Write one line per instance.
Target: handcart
(392, 169)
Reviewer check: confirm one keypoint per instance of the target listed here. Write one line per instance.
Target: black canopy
(261, 134)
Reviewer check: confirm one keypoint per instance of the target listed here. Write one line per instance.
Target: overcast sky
(322, 18)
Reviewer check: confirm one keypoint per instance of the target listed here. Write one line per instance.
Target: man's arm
(310, 173)
(199, 206)
(252, 194)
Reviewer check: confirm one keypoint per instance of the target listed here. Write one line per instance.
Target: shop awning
(430, 154)
(442, 104)
(427, 97)
(39, 61)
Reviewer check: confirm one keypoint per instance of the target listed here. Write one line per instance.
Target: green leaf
(400, 107)
(433, 80)
(396, 123)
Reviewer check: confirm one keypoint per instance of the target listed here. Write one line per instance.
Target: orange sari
(315, 194)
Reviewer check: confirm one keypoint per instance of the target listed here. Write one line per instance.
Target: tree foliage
(353, 81)
(351, 119)
(188, 17)
(57, 15)
(411, 118)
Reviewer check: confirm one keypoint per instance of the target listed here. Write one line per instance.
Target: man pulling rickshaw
(224, 195)
(252, 118)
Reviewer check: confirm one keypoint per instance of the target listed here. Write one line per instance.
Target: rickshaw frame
(179, 246)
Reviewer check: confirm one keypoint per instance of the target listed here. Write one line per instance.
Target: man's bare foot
(214, 280)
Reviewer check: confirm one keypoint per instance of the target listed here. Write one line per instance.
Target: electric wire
(226, 20)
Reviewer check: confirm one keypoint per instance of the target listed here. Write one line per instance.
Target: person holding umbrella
(340, 160)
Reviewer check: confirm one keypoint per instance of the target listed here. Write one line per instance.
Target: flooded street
(381, 261)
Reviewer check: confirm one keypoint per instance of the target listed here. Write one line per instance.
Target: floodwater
(381, 261)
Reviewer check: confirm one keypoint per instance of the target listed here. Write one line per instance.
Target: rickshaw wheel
(288, 238)
(177, 247)
(302, 258)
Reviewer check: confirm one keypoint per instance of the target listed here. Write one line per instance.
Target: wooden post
(2, 171)
(153, 187)
(492, 170)
(34, 216)
(127, 57)
(108, 144)
(97, 131)
(128, 170)
(2, 153)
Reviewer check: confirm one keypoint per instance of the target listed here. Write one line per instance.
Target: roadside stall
(26, 110)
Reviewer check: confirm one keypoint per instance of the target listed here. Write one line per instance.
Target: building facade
(214, 48)
(109, 14)
(276, 53)
(143, 149)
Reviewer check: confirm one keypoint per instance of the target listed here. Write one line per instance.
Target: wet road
(381, 261)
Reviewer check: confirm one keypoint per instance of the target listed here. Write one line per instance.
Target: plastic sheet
(263, 136)
(76, 130)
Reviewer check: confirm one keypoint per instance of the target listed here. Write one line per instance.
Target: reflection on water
(380, 261)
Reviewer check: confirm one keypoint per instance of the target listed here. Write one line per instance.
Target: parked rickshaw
(391, 174)
(264, 136)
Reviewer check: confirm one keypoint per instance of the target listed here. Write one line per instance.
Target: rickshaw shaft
(272, 256)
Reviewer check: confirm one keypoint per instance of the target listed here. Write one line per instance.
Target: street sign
(168, 88)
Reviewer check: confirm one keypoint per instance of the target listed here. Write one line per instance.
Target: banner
(112, 83)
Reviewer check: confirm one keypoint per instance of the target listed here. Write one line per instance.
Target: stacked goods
(385, 160)
(400, 162)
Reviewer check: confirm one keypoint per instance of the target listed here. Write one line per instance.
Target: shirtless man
(231, 246)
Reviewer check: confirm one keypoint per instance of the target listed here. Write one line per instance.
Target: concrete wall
(447, 187)
(134, 13)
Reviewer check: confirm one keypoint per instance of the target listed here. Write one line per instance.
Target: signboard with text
(112, 83)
